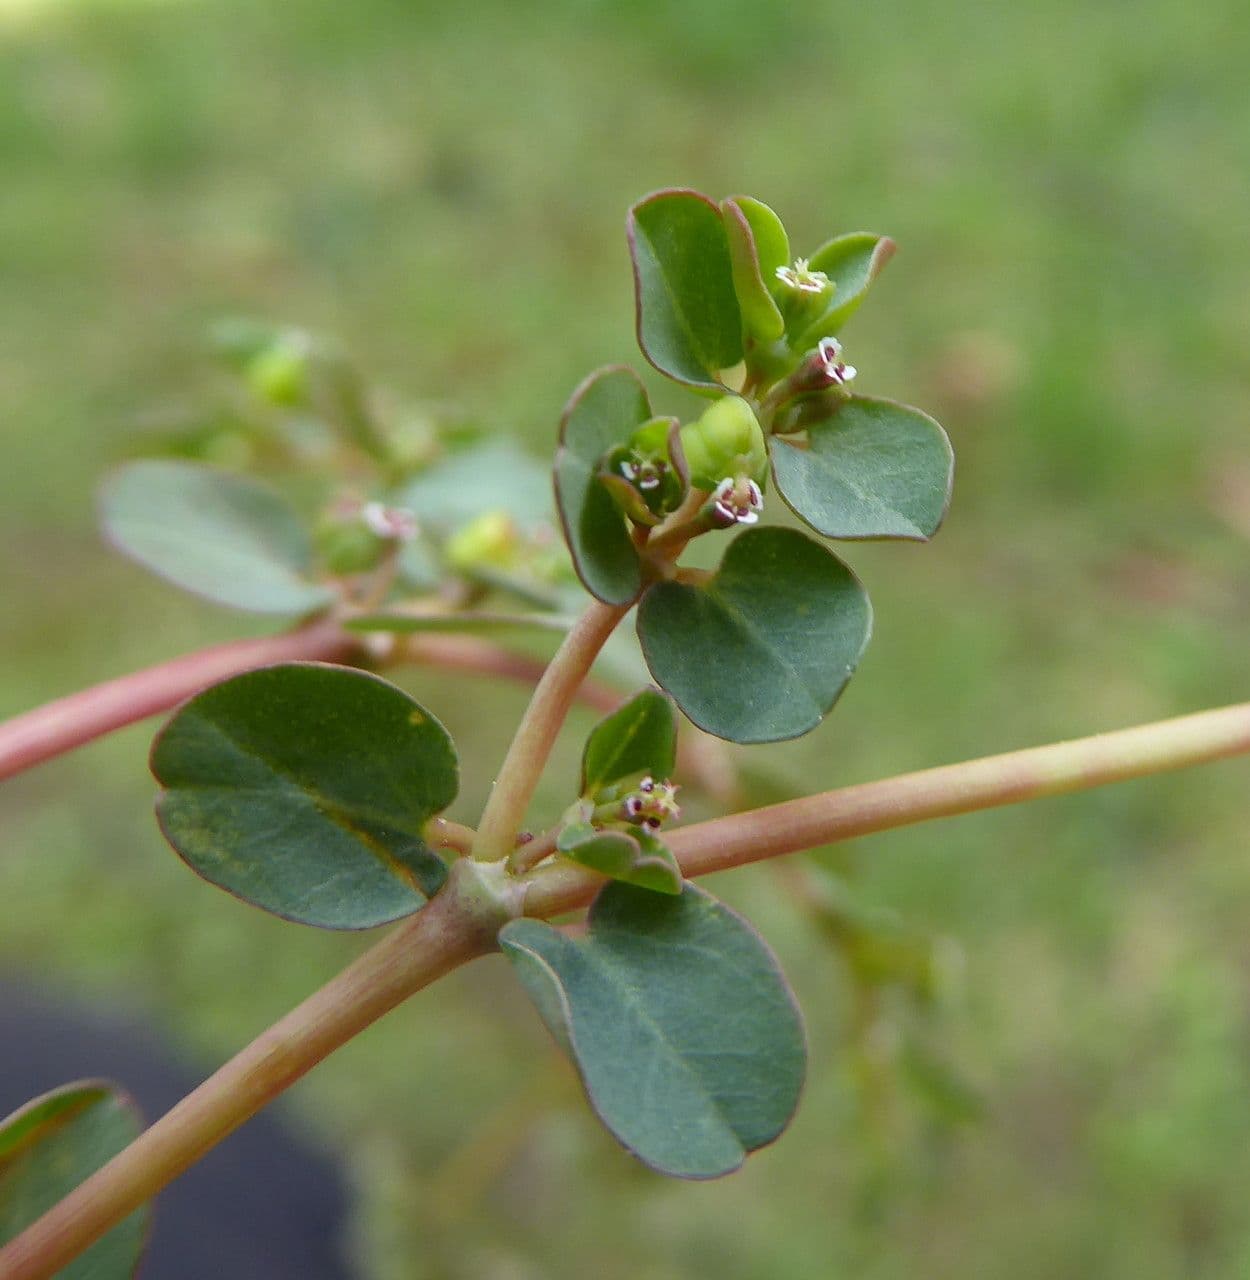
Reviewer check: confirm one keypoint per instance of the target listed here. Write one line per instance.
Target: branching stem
(445, 934)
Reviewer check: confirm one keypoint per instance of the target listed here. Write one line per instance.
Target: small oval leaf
(689, 324)
(639, 737)
(50, 1146)
(679, 1020)
(761, 650)
(874, 469)
(852, 262)
(635, 857)
(305, 789)
(226, 537)
(602, 414)
(757, 247)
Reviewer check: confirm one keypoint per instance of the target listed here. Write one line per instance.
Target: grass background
(444, 188)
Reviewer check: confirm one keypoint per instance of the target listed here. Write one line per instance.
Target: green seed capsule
(726, 441)
(279, 374)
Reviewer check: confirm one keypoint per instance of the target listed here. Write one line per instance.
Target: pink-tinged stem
(422, 949)
(535, 736)
(988, 783)
(60, 726)
(445, 935)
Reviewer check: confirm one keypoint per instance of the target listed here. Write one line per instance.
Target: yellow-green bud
(726, 441)
(279, 374)
(488, 542)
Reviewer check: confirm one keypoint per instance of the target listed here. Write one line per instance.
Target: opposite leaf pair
(307, 790)
(759, 650)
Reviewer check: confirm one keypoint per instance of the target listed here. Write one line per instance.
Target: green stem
(536, 734)
(454, 928)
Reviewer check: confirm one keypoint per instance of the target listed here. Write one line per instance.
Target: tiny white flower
(802, 278)
(829, 353)
(646, 473)
(396, 524)
(737, 501)
(651, 804)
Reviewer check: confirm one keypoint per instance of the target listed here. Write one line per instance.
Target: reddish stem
(60, 726)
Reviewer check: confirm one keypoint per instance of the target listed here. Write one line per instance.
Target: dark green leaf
(49, 1147)
(689, 325)
(852, 263)
(226, 537)
(638, 738)
(874, 469)
(635, 857)
(762, 649)
(681, 1024)
(757, 247)
(305, 789)
(603, 413)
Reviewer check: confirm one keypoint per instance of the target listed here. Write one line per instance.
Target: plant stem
(536, 734)
(60, 726)
(525, 857)
(443, 833)
(445, 934)
(988, 783)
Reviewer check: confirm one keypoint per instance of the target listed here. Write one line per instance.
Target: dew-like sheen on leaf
(689, 324)
(226, 537)
(874, 469)
(760, 651)
(304, 789)
(679, 1020)
(54, 1143)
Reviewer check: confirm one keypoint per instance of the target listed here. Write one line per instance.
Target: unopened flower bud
(489, 542)
(278, 372)
(726, 441)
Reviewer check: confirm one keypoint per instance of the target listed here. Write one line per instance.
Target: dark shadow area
(261, 1206)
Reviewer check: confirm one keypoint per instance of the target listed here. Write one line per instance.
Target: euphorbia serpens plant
(317, 792)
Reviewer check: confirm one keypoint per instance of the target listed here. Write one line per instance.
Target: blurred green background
(443, 188)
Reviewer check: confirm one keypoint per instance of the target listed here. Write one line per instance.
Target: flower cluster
(651, 804)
